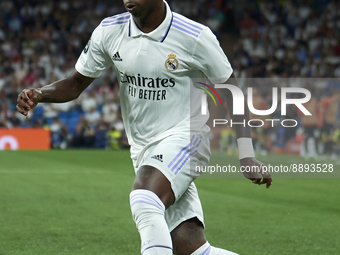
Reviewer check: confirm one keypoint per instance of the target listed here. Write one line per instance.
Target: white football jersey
(156, 72)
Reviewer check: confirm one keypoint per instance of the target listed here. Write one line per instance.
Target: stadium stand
(41, 41)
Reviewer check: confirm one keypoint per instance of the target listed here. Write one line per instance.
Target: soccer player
(157, 54)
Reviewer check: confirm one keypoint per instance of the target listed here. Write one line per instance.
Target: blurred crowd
(40, 42)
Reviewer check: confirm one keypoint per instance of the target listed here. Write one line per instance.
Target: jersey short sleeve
(93, 59)
(209, 57)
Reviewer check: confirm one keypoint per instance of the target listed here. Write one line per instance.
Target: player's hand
(27, 100)
(257, 174)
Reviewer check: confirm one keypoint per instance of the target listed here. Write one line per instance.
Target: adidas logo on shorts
(158, 157)
(116, 57)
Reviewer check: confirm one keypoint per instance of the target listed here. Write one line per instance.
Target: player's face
(140, 8)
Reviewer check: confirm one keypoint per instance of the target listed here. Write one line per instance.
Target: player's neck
(152, 20)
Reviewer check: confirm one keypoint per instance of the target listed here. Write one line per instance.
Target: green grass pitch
(76, 202)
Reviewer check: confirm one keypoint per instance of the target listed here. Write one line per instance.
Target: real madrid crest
(171, 63)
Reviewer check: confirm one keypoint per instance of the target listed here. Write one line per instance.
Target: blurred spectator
(64, 107)
(336, 143)
(58, 134)
(50, 111)
(89, 101)
(14, 120)
(228, 141)
(330, 107)
(118, 123)
(110, 111)
(114, 138)
(5, 113)
(92, 117)
(85, 135)
(310, 123)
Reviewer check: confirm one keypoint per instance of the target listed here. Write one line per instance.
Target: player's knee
(152, 179)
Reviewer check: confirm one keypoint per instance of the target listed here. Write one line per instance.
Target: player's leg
(151, 194)
(164, 180)
(149, 190)
(188, 237)
(152, 190)
(185, 221)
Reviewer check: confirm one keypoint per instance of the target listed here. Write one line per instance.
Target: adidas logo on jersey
(158, 157)
(116, 57)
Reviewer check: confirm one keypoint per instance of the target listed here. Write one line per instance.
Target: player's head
(142, 8)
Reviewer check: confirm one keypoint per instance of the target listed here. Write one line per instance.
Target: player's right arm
(58, 92)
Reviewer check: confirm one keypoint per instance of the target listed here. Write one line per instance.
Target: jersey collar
(160, 33)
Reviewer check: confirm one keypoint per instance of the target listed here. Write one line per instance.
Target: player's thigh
(178, 157)
(186, 222)
(175, 157)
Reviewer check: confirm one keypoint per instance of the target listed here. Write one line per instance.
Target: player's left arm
(209, 58)
(247, 157)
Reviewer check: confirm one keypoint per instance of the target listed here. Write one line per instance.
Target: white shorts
(176, 157)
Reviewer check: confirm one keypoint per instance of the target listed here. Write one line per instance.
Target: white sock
(207, 249)
(148, 213)
(157, 251)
